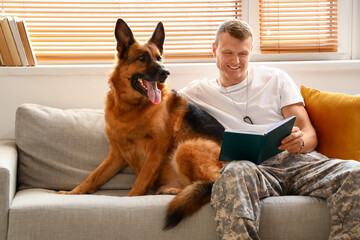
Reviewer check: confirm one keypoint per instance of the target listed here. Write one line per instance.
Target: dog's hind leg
(197, 163)
(111, 165)
(197, 159)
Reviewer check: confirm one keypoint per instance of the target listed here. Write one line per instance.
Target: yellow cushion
(336, 118)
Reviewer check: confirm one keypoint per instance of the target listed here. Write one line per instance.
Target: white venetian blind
(292, 26)
(83, 30)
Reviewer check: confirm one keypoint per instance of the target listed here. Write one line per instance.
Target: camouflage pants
(237, 193)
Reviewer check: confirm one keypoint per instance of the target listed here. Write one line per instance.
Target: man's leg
(338, 181)
(236, 199)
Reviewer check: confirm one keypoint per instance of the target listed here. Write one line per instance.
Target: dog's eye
(159, 58)
(144, 57)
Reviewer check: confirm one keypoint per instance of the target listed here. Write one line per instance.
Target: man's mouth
(233, 68)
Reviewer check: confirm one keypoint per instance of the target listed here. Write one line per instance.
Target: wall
(86, 86)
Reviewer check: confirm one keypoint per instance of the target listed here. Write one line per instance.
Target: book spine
(261, 150)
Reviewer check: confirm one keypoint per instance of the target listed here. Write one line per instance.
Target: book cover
(18, 41)
(4, 50)
(1, 60)
(10, 41)
(255, 146)
(26, 42)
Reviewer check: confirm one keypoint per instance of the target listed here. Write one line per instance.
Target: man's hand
(293, 143)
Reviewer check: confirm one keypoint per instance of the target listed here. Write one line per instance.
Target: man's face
(232, 58)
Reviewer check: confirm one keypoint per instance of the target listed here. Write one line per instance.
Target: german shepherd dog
(169, 142)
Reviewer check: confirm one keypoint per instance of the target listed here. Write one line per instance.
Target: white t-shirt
(265, 92)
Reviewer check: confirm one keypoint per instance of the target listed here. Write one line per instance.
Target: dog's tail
(187, 202)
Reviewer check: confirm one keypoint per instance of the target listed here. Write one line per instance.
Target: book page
(272, 127)
(252, 129)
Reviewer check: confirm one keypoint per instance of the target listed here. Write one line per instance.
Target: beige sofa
(57, 149)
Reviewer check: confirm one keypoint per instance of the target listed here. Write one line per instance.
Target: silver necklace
(246, 119)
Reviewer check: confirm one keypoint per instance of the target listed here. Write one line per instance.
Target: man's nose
(236, 59)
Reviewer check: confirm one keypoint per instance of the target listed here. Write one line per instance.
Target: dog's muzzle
(163, 74)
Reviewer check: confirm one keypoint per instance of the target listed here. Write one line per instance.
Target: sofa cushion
(336, 118)
(42, 214)
(294, 217)
(59, 148)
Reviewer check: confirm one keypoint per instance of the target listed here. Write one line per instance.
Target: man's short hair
(236, 28)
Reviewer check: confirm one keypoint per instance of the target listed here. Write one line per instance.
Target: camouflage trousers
(237, 193)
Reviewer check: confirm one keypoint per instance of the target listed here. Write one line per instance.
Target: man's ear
(158, 37)
(124, 37)
(214, 50)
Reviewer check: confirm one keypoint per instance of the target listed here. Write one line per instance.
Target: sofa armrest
(8, 168)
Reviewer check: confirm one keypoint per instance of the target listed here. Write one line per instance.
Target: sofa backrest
(59, 148)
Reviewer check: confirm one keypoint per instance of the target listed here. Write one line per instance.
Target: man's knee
(351, 168)
(239, 167)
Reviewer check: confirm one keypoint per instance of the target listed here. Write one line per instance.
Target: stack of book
(15, 44)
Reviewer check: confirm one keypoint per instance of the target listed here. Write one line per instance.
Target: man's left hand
(294, 142)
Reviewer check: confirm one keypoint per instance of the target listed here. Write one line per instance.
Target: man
(254, 98)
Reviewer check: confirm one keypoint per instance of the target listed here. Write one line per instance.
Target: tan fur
(153, 139)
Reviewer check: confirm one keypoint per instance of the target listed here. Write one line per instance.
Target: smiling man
(244, 94)
(232, 49)
(254, 97)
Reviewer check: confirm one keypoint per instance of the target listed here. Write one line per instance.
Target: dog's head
(141, 64)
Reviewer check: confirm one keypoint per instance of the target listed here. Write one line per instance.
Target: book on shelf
(255, 146)
(24, 34)
(18, 42)
(10, 41)
(1, 60)
(4, 50)
(15, 44)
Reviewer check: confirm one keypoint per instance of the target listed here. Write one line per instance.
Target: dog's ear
(124, 37)
(158, 37)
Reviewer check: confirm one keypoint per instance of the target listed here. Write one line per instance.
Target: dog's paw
(63, 192)
(168, 191)
(136, 193)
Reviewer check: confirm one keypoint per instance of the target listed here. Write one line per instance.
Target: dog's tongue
(154, 93)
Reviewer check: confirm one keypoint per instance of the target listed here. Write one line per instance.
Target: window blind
(291, 26)
(84, 30)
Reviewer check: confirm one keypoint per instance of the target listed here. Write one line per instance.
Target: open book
(252, 145)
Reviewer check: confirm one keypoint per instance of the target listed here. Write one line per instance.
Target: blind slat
(300, 43)
(47, 12)
(43, 41)
(104, 3)
(264, 2)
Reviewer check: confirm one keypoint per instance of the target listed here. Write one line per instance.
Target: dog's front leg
(111, 165)
(148, 174)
